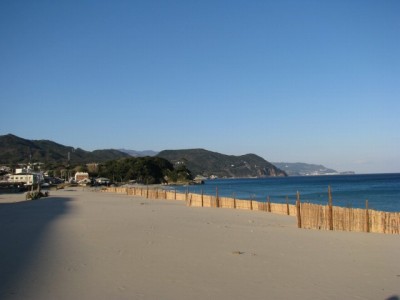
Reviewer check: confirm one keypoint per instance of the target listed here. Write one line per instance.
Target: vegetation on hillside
(169, 165)
(15, 150)
(208, 163)
(145, 170)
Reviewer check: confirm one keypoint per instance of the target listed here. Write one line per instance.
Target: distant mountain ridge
(207, 163)
(14, 149)
(139, 153)
(303, 169)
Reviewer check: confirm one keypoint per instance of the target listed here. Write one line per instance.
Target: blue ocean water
(381, 190)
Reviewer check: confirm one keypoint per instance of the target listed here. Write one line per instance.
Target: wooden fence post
(234, 200)
(287, 206)
(216, 197)
(366, 216)
(269, 204)
(175, 194)
(147, 193)
(202, 198)
(330, 209)
(298, 210)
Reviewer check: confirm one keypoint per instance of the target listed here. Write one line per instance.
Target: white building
(25, 178)
(29, 171)
(81, 176)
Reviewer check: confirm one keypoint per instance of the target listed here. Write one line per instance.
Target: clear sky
(294, 81)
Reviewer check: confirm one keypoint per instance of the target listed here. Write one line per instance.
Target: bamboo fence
(309, 216)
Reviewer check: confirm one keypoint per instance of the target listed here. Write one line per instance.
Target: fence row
(309, 216)
(349, 219)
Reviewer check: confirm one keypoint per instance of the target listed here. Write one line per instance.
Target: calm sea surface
(381, 190)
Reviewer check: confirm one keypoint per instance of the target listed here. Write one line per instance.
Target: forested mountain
(208, 163)
(14, 150)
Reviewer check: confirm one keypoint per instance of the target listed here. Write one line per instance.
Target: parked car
(102, 181)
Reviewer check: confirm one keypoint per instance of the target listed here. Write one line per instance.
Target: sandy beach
(82, 244)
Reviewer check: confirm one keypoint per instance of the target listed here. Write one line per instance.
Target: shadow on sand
(22, 225)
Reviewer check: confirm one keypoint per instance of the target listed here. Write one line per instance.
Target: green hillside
(14, 150)
(208, 163)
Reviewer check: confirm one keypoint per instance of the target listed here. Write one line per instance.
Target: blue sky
(295, 81)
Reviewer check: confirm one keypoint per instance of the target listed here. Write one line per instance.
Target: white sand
(90, 245)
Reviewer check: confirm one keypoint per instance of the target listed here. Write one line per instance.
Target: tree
(81, 168)
(147, 170)
(179, 174)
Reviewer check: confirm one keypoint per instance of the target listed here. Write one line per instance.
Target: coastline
(381, 190)
(83, 244)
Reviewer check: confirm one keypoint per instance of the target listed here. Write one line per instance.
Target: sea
(381, 190)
